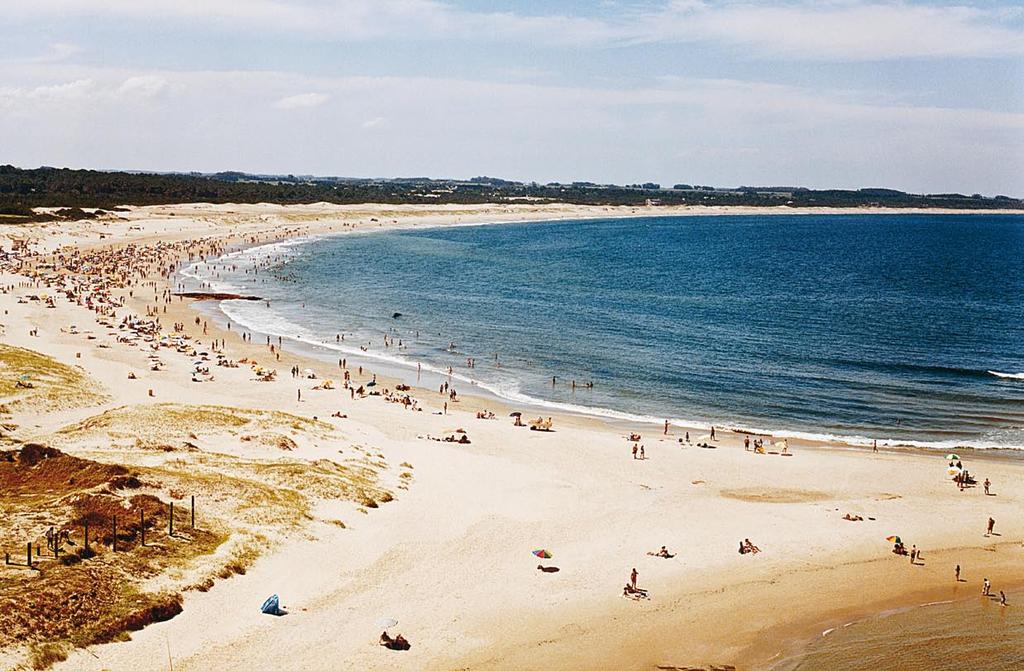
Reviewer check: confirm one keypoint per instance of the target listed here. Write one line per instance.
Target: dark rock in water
(396, 315)
(213, 296)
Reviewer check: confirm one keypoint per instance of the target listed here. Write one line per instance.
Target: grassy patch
(32, 380)
(171, 423)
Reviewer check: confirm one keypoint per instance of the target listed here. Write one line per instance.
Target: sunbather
(663, 552)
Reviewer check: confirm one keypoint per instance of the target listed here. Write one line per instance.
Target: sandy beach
(373, 518)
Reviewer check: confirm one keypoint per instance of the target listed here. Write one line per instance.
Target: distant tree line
(21, 190)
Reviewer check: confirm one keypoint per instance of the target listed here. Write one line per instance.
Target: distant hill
(21, 190)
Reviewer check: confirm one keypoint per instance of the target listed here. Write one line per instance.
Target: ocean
(908, 328)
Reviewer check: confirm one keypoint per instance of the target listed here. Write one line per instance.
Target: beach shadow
(548, 569)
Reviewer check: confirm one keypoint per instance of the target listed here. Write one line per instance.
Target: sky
(926, 97)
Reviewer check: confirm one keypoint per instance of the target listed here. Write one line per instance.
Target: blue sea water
(907, 328)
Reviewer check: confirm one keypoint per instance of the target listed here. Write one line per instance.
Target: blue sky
(913, 95)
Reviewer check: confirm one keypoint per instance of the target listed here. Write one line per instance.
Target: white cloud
(301, 100)
(803, 29)
(66, 91)
(143, 86)
(681, 129)
(58, 51)
(839, 30)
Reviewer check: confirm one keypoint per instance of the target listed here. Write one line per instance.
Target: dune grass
(54, 385)
(173, 423)
(246, 505)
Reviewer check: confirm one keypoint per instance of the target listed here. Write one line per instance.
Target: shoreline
(614, 416)
(577, 491)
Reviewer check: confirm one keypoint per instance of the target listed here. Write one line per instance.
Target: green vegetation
(21, 190)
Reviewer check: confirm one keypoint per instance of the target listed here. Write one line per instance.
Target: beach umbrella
(515, 414)
(953, 457)
(543, 554)
(893, 539)
(386, 622)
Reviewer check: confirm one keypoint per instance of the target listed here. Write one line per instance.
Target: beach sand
(450, 556)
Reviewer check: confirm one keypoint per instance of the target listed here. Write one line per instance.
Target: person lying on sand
(746, 547)
(853, 518)
(339, 415)
(636, 593)
(663, 552)
(462, 439)
(396, 643)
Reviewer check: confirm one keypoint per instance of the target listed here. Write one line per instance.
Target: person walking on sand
(874, 446)
(991, 526)
(642, 455)
(635, 448)
(299, 392)
(957, 571)
(632, 578)
(1002, 598)
(713, 433)
(666, 427)
(987, 483)
(985, 587)
(913, 554)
